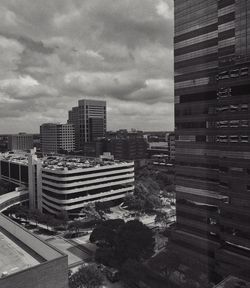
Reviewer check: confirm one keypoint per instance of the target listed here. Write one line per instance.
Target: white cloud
(164, 10)
(25, 87)
(72, 49)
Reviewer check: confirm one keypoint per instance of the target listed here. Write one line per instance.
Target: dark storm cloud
(53, 53)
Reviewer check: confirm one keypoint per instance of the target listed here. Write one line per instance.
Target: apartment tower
(212, 119)
(89, 120)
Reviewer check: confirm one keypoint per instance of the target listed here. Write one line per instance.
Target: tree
(47, 220)
(74, 226)
(63, 217)
(101, 207)
(54, 223)
(106, 231)
(131, 240)
(22, 212)
(165, 263)
(134, 241)
(86, 277)
(162, 218)
(35, 215)
(105, 255)
(90, 212)
(132, 271)
(146, 196)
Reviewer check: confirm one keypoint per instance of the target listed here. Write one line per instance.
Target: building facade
(27, 261)
(212, 104)
(126, 145)
(84, 181)
(57, 183)
(171, 146)
(89, 120)
(56, 138)
(21, 141)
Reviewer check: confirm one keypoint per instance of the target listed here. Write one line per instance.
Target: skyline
(54, 54)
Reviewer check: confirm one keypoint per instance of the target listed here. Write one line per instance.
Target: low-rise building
(126, 145)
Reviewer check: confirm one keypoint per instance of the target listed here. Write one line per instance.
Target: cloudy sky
(54, 52)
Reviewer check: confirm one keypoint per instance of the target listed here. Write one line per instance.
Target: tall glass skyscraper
(212, 119)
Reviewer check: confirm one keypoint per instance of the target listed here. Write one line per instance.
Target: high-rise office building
(21, 141)
(89, 120)
(212, 84)
(57, 138)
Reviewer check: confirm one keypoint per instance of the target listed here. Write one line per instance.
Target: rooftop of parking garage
(71, 162)
(64, 162)
(18, 157)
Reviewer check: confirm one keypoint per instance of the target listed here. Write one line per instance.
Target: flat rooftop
(73, 162)
(62, 162)
(14, 257)
(21, 158)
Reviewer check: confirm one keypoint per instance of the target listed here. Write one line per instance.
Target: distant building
(158, 148)
(56, 138)
(37, 141)
(21, 141)
(127, 145)
(89, 120)
(156, 136)
(3, 143)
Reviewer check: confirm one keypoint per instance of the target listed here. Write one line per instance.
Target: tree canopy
(86, 277)
(121, 241)
(165, 263)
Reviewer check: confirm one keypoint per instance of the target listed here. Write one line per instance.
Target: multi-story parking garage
(68, 183)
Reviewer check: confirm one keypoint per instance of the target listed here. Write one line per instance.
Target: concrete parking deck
(13, 257)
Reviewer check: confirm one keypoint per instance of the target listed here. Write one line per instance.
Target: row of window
(105, 181)
(82, 173)
(232, 138)
(232, 108)
(232, 123)
(217, 124)
(211, 166)
(235, 73)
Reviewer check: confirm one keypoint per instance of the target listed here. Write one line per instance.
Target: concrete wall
(43, 249)
(52, 274)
